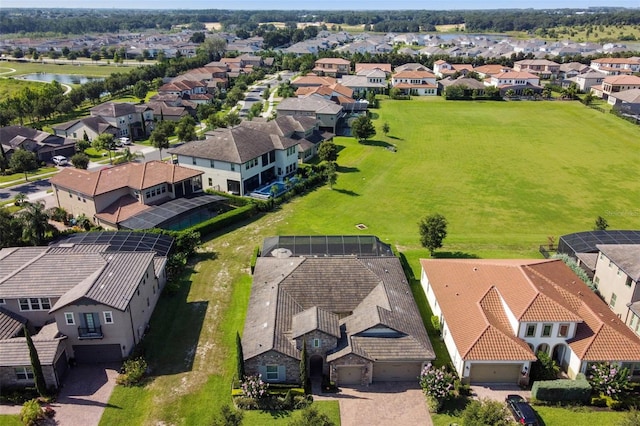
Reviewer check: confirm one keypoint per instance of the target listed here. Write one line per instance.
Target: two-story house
(419, 83)
(327, 112)
(91, 298)
(618, 83)
(617, 273)
(366, 81)
(243, 158)
(112, 195)
(496, 315)
(588, 80)
(92, 127)
(347, 297)
(132, 121)
(44, 145)
(518, 82)
(334, 67)
(543, 68)
(616, 66)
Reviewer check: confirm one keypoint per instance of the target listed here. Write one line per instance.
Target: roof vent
(264, 325)
(475, 269)
(457, 294)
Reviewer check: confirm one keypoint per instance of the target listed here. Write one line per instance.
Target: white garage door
(495, 373)
(349, 375)
(396, 372)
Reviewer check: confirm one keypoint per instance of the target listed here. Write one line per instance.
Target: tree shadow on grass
(339, 148)
(347, 192)
(344, 169)
(454, 255)
(395, 138)
(371, 142)
(373, 115)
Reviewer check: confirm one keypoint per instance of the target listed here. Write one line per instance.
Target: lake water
(61, 78)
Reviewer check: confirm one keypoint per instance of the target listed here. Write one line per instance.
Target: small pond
(61, 78)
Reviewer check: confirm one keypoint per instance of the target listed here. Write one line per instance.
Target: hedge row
(225, 219)
(561, 390)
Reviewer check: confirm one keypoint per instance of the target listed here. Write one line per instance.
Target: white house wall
(219, 174)
(612, 280)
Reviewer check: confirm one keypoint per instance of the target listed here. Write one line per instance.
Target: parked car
(521, 410)
(60, 160)
(123, 141)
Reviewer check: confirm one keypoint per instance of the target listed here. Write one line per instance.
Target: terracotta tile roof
(372, 66)
(414, 74)
(415, 86)
(516, 74)
(338, 61)
(623, 79)
(533, 290)
(132, 175)
(122, 209)
(617, 60)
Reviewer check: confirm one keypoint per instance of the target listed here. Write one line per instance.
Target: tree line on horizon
(82, 21)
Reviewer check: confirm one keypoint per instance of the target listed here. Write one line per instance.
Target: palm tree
(35, 223)
(128, 156)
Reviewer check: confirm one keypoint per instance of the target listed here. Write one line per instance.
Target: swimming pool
(280, 188)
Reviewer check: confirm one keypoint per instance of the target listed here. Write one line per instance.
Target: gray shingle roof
(625, 256)
(312, 103)
(15, 352)
(10, 323)
(291, 296)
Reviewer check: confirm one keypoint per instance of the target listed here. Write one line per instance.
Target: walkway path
(11, 70)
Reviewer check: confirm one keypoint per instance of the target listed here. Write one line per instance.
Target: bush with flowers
(437, 385)
(254, 387)
(608, 379)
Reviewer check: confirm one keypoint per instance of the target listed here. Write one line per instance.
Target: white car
(60, 160)
(125, 141)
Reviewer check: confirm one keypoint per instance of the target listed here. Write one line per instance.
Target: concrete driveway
(381, 404)
(498, 391)
(85, 394)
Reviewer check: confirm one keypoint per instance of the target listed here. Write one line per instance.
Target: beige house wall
(74, 203)
(36, 318)
(612, 280)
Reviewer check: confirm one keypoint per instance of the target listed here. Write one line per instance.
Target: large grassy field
(506, 175)
(91, 69)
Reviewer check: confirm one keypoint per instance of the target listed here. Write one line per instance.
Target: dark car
(521, 410)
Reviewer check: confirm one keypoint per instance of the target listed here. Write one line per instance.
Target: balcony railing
(90, 332)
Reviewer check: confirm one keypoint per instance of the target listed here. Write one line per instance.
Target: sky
(317, 5)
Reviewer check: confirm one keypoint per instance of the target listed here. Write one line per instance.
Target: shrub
(461, 389)
(225, 219)
(435, 322)
(302, 401)
(561, 390)
(254, 387)
(437, 385)
(31, 412)
(485, 413)
(133, 370)
(229, 417)
(246, 403)
(288, 400)
(311, 417)
(544, 368)
(608, 379)
(18, 395)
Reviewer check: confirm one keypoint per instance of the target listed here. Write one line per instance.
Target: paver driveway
(85, 394)
(381, 404)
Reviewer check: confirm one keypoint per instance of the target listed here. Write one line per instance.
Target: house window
(2, 302)
(193, 161)
(272, 372)
(210, 182)
(233, 167)
(619, 272)
(546, 330)
(68, 318)
(612, 303)
(316, 343)
(212, 164)
(531, 330)
(563, 330)
(596, 281)
(34, 304)
(627, 283)
(108, 317)
(610, 264)
(24, 373)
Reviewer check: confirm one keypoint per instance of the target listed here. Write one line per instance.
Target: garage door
(396, 372)
(349, 375)
(495, 373)
(92, 354)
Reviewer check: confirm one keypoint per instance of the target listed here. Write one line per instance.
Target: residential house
(313, 80)
(627, 101)
(112, 195)
(366, 81)
(334, 67)
(588, 80)
(325, 111)
(90, 301)
(616, 66)
(92, 127)
(411, 66)
(543, 68)
(420, 83)
(618, 83)
(486, 71)
(132, 121)
(518, 82)
(617, 273)
(347, 297)
(363, 67)
(44, 145)
(470, 86)
(243, 158)
(194, 91)
(496, 315)
(573, 69)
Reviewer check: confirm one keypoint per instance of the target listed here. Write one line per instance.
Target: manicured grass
(257, 418)
(13, 420)
(9, 180)
(557, 416)
(506, 175)
(79, 68)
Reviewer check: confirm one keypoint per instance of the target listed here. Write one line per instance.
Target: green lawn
(506, 175)
(87, 68)
(11, 86)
